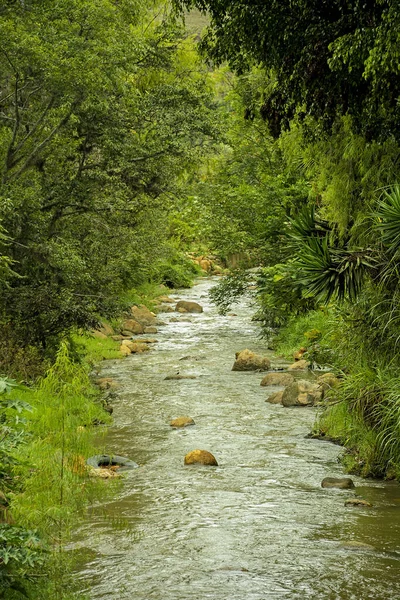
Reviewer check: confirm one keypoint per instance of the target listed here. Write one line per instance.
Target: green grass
(146, 294)
(311, 331)
(93, 350)
(362, 455)
(53, 487)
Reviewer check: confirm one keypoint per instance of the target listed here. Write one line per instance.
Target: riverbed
(259, 526)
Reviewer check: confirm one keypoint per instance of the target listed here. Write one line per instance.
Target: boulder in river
(200, 457)
(137, 348)
(301, 393)
(246, 360)
(299, 365)
(190, 307)
(150, 329)
(340, 483)
(133, 327)
(275, 398)
(143, 315)
(277, 379)
(124, 350)
(182, 422)
(107, 383)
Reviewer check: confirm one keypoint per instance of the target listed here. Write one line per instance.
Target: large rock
(206, 265)
(275, 398)
(200, 457)
(190, 307)
(300, 365)
(341, 483)
(246, 360)
(124, 350)
(133, 327)
(137, 348)
(150, 329)
(301, 393)
(182, 422)
(277, 379)
(107, 383)
(128, 343)
(143, 315)
(327, 381)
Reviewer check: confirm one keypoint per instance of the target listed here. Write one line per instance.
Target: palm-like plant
(328, 269)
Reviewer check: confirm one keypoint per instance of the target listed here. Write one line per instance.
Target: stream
(259, 526)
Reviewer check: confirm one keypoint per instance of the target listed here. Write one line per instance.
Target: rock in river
(277, 379)
(300, 365)
(246, 360)
(182, 422)
(301, 393)
(275, 398)
(143, 315)
(200, 457)
(341, 483)
(358, 502)
(190, 307)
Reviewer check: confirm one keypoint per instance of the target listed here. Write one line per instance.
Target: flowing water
(259, 526)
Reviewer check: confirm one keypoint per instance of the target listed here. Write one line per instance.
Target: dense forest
(125, 144)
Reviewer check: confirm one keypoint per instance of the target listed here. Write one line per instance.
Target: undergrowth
(46, 487)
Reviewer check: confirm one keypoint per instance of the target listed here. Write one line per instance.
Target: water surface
(259, 526)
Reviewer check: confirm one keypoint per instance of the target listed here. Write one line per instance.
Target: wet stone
(342, 483)
(182, 422)
(357, 502)
(201, 457)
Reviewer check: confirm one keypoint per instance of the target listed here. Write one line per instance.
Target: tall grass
(56, 488)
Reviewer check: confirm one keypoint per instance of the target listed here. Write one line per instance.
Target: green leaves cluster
(104, 108)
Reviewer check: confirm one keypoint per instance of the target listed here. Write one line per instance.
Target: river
(259, 526)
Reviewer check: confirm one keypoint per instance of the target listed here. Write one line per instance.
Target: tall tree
(97, 122)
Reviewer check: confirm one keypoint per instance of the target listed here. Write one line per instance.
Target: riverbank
(363, 411)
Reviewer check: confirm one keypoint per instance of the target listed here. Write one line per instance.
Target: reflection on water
(259, 526)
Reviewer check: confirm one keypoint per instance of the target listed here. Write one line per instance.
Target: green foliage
(314, 331)
(232, 287)
(21, 551)
(177, 272)
(326, 59)
(93, 350)
(104, 111)
(46, 434)
(279, 295)
(343, 426)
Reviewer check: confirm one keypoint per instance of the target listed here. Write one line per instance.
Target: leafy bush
(178, 272)
(21, 550)
(279, 295)
(229, 290)
(312, 331)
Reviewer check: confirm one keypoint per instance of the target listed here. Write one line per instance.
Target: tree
(97, 123)
(325, 58)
